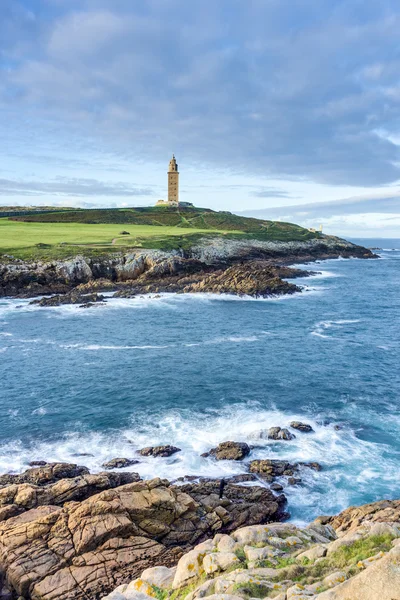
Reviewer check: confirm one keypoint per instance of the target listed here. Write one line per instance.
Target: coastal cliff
(257, 268)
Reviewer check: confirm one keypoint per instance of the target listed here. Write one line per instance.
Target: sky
(282, 109)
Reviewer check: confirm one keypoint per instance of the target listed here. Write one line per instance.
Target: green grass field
(25, 240)
(94, 232)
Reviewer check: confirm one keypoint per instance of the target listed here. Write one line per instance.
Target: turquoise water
(197, 370)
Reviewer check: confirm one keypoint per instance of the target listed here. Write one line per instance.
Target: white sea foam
(321, 329)
(345, 457)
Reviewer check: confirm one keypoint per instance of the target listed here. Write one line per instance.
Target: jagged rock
(229, 451)
(162, 451)
(16, 498)
(72, 298)
(269, 468)
(85, 549)
(311, 465)
(276, 433)
(46, 474)
(120, 463)
(353, 517)
(276, 487)
(303, 427)
(294, 480)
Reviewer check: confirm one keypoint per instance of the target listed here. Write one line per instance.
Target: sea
(86, 385)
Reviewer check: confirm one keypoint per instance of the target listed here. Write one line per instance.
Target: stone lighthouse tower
(173, 182)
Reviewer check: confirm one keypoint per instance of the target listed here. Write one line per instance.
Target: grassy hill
(95, 231)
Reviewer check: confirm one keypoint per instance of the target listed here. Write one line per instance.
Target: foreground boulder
(285, 562)
(82, 550)
(229, 451)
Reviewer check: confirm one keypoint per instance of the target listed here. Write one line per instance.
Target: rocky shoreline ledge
(66, 534)
(217, 265)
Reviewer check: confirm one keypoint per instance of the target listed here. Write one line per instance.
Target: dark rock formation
(120, 463)
(72, 298)
(276, 433)
(229, 451)
(303, 427)
(270, 468)
(162, 451)
(218, 264)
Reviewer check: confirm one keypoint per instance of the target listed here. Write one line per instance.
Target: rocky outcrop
(281, 561)
(276, 433)
(163, 451)
(72, 298)
(206, 267)
(384, 511)
(82, 550)
(270, 468)
(303, 427)
(120, 463)
(45, 473)
(229, 451)
(19, 497)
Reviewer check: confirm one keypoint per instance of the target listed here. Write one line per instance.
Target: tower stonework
(173, 182)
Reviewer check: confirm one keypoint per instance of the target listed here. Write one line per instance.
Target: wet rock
(294, 480)
(43, 475)
(162, 451)
(276, 433)
(229, 451)
(71, 298)
(243, 477)
(119, 463)
(276, 487)
(37, 463)
(303, 427)
(315, 466)
(270, 468)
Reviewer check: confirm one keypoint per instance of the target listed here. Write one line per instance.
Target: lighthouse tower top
(173, 165)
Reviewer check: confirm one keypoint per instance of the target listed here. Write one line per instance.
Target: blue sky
(280, 108)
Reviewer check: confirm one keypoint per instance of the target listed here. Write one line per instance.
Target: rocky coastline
(216, 265)
(66, 534)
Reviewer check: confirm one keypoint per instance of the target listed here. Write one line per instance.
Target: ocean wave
(94, 347)
(321, 329)
(345, 457)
